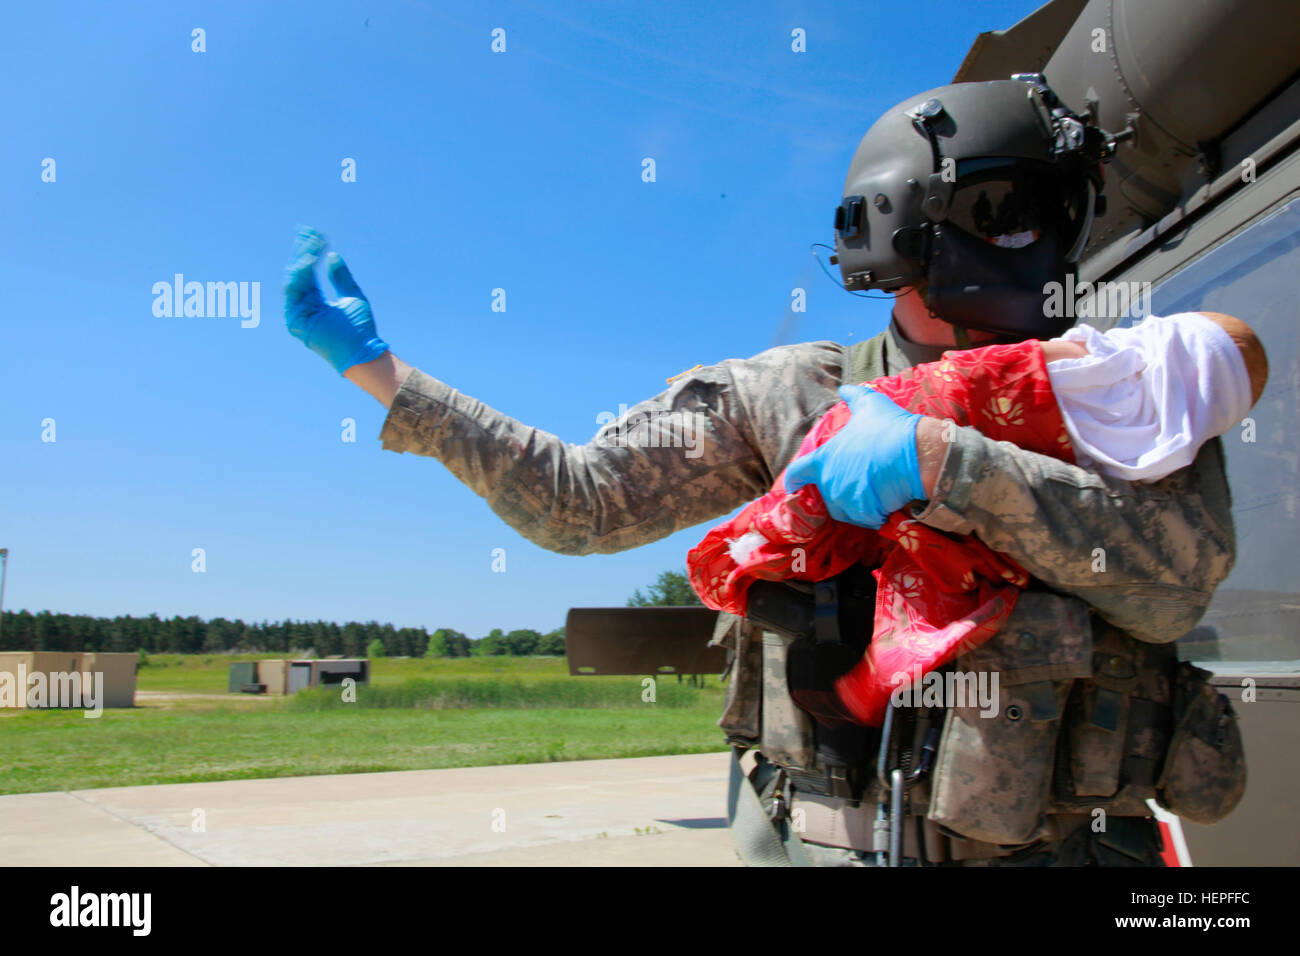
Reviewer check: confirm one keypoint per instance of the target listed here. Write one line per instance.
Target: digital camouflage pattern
(742, 709)
(1121, 570)
(1204, 776)
(1147, 557)
(1164, 547)
(711, 442)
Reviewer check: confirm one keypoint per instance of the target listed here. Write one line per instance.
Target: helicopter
(1203, 214)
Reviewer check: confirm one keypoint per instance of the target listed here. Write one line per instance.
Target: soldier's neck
(915, 322)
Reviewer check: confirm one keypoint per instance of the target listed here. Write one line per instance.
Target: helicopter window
(1255, 614)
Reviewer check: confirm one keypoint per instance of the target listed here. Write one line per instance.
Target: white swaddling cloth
(1146, 398)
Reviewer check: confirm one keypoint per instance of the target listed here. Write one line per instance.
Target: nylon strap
(756, 837)
(758, 840)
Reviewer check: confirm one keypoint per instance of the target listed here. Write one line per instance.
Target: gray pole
(4, 564)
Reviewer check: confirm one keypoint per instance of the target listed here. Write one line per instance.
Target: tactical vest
(1088, 718)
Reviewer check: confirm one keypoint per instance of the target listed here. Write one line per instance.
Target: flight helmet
(983, 192)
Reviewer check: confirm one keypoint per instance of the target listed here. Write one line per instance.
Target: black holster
(829, 623)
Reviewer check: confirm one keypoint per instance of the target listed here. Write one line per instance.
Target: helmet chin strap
(959, 336)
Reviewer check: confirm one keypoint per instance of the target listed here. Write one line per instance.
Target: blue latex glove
(341, 332)
(868, 469)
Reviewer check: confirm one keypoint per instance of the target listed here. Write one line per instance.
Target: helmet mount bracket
(938, 195)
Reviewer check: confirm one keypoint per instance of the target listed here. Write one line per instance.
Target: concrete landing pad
(649, 811)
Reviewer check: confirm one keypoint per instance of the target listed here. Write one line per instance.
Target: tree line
(46, 631)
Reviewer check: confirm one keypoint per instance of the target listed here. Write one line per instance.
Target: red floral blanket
(938, 595)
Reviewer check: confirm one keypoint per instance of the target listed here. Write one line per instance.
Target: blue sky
(475, 170)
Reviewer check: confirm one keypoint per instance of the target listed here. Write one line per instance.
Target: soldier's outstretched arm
(708, 444)
(692, 453)
(1146, 556)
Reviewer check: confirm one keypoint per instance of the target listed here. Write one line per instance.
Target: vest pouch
(993, 776)
(1204, 776)
(742, 706)
(1117, 728)
(787, 734)
(1097, 732)
(1097, 723)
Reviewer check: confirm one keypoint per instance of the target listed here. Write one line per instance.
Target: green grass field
(416, 714)
(206, 673)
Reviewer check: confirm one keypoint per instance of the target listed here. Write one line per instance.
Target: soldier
(966, 201)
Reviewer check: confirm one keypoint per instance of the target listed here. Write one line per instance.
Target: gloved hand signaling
(341, 332)
(868, 469)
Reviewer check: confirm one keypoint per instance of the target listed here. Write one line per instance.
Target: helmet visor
(1014, 203)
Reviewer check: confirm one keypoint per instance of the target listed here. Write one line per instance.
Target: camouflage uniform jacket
(1121, 569)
